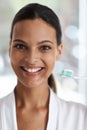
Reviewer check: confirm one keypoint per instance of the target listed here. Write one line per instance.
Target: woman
(35, 46)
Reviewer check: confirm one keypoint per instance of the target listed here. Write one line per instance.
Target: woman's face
(33, 52)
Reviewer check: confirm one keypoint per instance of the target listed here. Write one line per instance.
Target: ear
(59, 51)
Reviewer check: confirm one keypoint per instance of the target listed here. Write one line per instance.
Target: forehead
(34, 29)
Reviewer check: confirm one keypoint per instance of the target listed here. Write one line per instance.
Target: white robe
(62, 115)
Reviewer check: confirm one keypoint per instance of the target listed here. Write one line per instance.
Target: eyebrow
(45, 41)
(41, 42)
(18, 40)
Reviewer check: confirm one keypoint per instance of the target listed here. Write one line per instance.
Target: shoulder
(66, 114)
(5, 107)
(69, 106)
(6, 101)
(7, 112)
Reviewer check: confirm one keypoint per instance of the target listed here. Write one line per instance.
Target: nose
(32, 56)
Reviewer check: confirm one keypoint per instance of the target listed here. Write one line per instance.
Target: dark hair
(34, 11)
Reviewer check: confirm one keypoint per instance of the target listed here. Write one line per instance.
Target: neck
(31, 97)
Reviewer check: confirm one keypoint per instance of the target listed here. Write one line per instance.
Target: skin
(33, 52)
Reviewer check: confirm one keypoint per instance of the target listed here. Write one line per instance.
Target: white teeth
(33, 70)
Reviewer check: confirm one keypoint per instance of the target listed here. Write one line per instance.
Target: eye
(20, 46)
(45, 48)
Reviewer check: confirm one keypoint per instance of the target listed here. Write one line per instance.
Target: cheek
(15, 60)
(15, 57)
(15, 63)
(50, 60)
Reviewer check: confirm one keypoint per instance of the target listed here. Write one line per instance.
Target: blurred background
(71, 71)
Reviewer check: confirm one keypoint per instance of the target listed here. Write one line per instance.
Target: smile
(31, 70)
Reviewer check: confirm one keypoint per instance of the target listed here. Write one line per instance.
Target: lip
(32, 70)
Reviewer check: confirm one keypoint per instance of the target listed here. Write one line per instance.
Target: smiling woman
(32, 45)
(35, 46)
